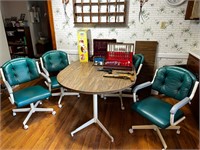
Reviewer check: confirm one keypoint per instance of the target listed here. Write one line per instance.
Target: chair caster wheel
(104, 98)
(178, 132)
(112, 139)
(60, 106)
(122, 108)
(14, 114)
(130, 130)
(78, 95)
(53, 112)
(40, 103)
(25, 127)
(72, 134)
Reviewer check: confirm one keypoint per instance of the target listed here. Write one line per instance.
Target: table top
(84, 78)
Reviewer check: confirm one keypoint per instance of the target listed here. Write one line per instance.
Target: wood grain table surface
(84, 78)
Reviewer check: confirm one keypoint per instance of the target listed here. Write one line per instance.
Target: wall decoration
(35, 14)
(65, 3)
(22, 17)
(141, 12)
(174, 2)
(177, 38)
(99, 12)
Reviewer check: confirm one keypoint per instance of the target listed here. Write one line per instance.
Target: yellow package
(83, 45)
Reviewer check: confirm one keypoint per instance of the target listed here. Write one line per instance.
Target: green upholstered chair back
(20, 70)
(137, 60)
(175, 82)
(55, 60)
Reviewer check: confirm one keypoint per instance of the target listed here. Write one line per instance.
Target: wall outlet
(163, 25)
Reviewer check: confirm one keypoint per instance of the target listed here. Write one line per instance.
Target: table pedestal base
(93, 120)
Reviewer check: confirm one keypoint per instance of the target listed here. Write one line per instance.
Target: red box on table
(119, 56)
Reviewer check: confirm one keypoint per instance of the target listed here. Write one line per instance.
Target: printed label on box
(83, 45)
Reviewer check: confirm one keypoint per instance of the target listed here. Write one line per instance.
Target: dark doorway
(32, 16)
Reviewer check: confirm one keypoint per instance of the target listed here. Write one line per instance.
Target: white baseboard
(71, 52)
(172, 55)
(159, 55)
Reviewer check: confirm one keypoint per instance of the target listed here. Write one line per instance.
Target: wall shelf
(99, 12)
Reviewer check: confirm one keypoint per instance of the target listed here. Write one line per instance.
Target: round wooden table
(84, 78)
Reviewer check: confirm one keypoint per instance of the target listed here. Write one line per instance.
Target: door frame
(51, 23)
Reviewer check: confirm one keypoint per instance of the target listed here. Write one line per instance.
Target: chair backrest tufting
(174, 81)
(137, 60)
(20, 70)
(55, 60)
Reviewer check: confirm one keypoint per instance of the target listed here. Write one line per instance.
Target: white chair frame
(172, 111)
(33, 107)
(63, 91)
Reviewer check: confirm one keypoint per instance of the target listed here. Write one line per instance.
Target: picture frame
(7, 22)
(13, 18)
(22, 17)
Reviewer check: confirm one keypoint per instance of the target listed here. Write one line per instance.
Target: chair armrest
(47, 79)
(139, 68)
(176, 107)
(10, 91)
(179, 105)
(43, 68)
(45, 71)
(139, 87)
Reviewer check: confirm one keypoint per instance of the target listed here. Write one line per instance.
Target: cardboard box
(83, 45)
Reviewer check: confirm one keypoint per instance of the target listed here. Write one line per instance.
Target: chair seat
(54, 82)
(30, 95)
(156, 111)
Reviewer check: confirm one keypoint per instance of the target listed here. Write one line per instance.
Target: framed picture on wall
(22, 17)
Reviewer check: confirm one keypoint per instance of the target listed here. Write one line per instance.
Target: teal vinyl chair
(52, 62)
(138, 60)
(22, 70)
(170, 81)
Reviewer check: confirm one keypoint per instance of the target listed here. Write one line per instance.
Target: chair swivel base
(64, 92)
(154, 127)
(33, 108)
(120, 95)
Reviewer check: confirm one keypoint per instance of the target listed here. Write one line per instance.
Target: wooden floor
(53, 132)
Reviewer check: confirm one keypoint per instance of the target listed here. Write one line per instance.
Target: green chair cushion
(156, 111)
(55, 60)
(54, 82)
(30, 95)
(20, 70)
(174, 82)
